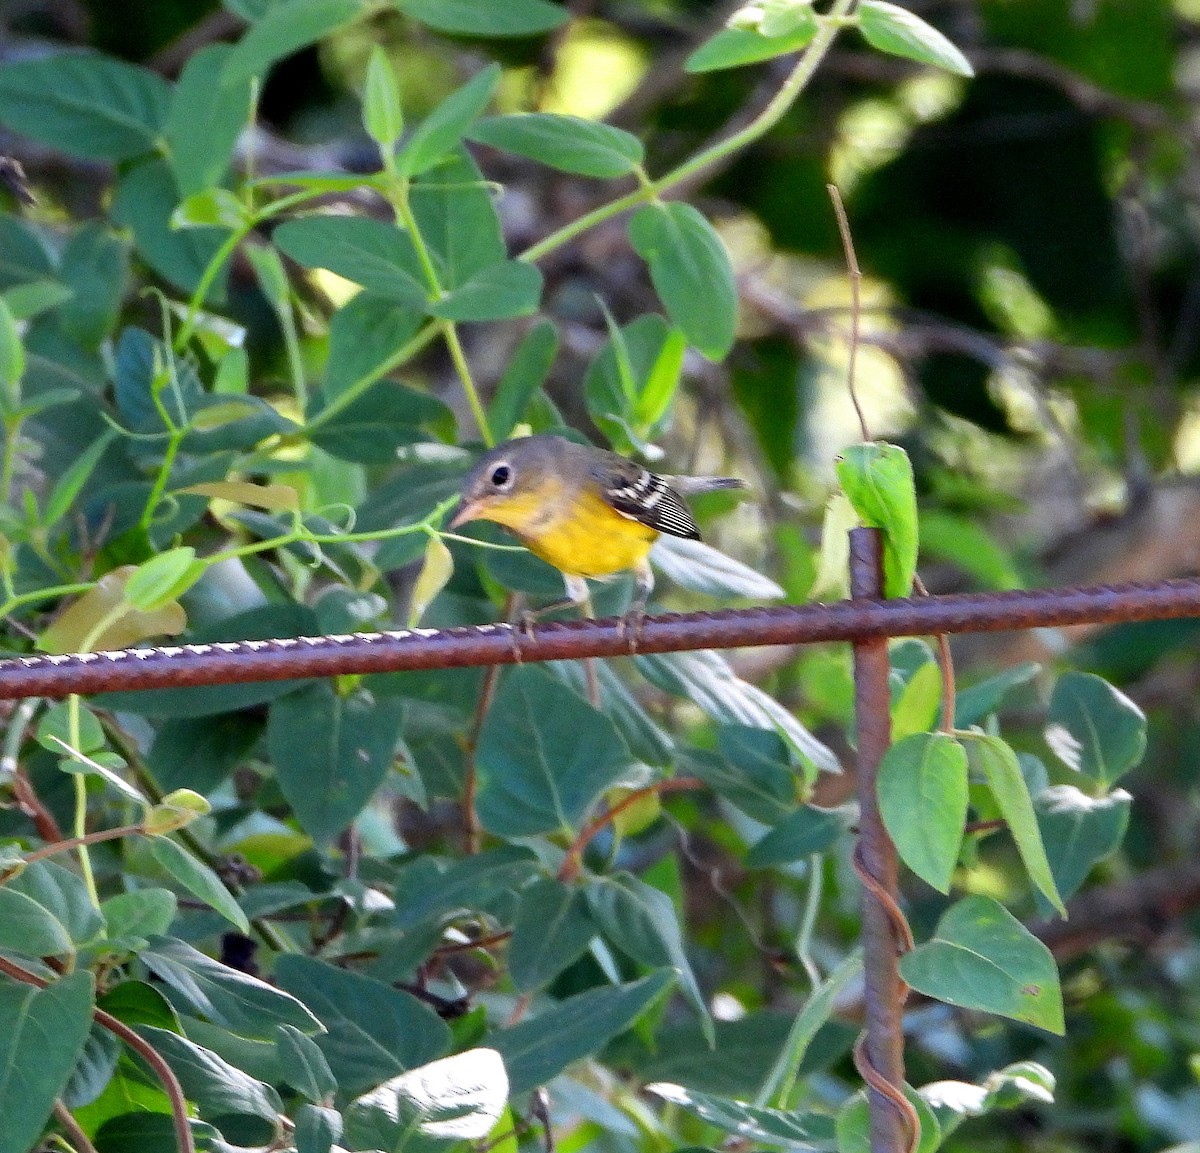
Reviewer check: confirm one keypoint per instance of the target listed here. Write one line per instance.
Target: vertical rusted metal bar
(883, 1045)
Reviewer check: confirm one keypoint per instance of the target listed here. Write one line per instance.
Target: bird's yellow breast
(578, 533)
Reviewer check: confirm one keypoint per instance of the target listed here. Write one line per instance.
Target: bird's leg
(577, 597)
(636, 613)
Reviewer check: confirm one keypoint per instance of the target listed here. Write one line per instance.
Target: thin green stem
(352, 392)
(79, 825)
(812, 905)
(827, 31)
(160, 481)
(450, 333)
(15, 601)
(398, 193)
(207, 277)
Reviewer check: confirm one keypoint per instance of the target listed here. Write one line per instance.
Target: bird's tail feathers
(694, 485)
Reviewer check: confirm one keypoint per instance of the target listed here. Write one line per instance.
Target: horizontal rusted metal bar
(235, 662)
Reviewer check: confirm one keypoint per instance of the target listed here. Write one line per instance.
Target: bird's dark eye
(501, 475)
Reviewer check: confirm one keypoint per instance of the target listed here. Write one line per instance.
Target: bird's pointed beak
(464, 511)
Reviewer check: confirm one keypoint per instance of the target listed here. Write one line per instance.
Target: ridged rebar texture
(235, 662)
(883, 992)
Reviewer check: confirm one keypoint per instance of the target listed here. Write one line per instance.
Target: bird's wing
(637, 493)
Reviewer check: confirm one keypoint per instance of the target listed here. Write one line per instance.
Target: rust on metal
(881, 1051)
(232, 662)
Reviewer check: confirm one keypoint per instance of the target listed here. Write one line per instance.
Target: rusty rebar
(236, 662)
(882, 1049)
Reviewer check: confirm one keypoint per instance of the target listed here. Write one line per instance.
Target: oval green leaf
(922, 790)
(996, 762)
(981, 957)
(568, 143)
(898, 32)
(1094, 728)
(691, 271)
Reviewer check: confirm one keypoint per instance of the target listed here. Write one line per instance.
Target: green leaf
(426, 893)
(303, 1065)
(12, 359)
(694, 565)
(551, 932)
(747, 1051)
(457, 218)
(364, 336)
(568, 143)
(33, 297)
(915, 710)
(437, 568)
(792, 1129)
(621, 373)
(544, 757)
(29, 929)
(245, 1005)
(367, 252)
(163, 578)
(199, 880)
(42, 1033)
(384, 420)
(878, 480)
(54, 728)
(646, 740)
(331, 753)
(64, 895)
(383, 116)
(459, 1098)
(282, 30)
(759, 775)
(140, 913)
(85, 104)
(854, 1126)
(780, 1081)
(373, 1031)
(485, 17)
(23, 254)
(923, 801)
(1009, 1088)
(967, 543)
(996, 762)
(443, 129)
(537, 1050)
(981, 957)
(975, 703)
(147, 369)
(806, 831)
(691, 271)
(706, 679)
(1079, 830)
(512, 288)
(213, 1084)
(216, 208)
(642, 922)
(733, 47)
(527, 371)
(1095, 728)
(145, 202)
(95, 267)
(199, 160)
(898, 32)
(317, 1129)
(201, 753)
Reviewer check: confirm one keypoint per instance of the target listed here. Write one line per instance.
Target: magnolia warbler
(586, 511)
